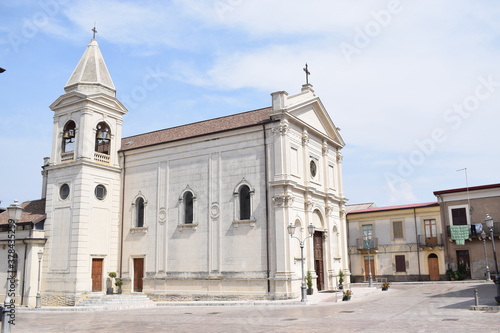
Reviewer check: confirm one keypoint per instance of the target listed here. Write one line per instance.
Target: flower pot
(384, 288)
(310, 291)
(346, 298)
(109, 291)
(341, 286)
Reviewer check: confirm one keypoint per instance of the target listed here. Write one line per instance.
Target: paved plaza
(425, 307)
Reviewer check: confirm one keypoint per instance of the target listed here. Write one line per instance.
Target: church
(196, 211)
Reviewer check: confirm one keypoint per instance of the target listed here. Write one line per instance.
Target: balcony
(473, 233)
(362, 244)
(68, 156)
(430, 242)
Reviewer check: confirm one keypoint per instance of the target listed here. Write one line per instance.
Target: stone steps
(117, 301)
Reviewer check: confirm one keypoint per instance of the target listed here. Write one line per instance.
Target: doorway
(97, 274)
(138, 274)
(433, 262)
(318, 260)
(463, 262)
(369, 266)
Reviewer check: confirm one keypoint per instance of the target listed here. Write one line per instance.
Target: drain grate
(450, 319)
(346, 311)
(213, 312)
(290, 319)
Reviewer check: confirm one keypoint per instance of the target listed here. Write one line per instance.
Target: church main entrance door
(318, 260)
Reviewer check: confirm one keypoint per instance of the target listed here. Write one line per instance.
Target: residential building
(406, 244)
(465, 209)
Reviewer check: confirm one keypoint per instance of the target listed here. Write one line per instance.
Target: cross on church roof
(94, 30)
(307, 74)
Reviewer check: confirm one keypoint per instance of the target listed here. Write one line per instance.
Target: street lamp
(40, 255)
(9, 310)
(291, 231)
(367, 237)
(489, 223)
(488, 275)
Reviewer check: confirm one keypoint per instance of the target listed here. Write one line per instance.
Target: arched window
(68, 143)
(244, 197)
(187, 200)
(139, 212)
(103, 138)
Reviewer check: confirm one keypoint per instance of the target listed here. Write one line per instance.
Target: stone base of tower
(62, 298)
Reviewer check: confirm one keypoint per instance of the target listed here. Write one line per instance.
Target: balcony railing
(362, 244)
(101, 158)
(473, 232)
(68, 156)
(423, 240)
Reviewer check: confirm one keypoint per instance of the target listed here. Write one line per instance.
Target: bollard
(476, 297)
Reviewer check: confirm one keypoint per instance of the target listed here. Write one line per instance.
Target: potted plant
(347, 295)
(385, 285)
(119, 284)
(450, 274)
(109, 283)
(309, 282)
(341, 279)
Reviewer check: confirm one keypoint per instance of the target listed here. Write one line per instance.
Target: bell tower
(83, 184)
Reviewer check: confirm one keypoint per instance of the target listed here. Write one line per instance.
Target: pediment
(104, 100)
(312, 113)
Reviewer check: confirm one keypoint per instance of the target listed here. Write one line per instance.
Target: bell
(102, 134)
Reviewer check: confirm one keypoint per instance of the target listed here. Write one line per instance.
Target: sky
(414, 86)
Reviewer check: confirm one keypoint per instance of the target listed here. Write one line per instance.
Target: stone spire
(91, 75)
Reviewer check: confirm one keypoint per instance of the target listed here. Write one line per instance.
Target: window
(244, 196)
(103, 138)
(64, 191)
(313, 168)
(139, 212)
(68, 137)
(100, 192)
(187, 200)
(400, 263)
(430, 228)
(397, 229)
(459, 216)
(367, 232)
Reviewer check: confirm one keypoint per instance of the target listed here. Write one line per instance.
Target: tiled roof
(239, 120)
(380, 209)
(353, 207)
(464, 189)
(33, 211)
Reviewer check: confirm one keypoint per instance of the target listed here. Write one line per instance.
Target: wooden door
(369, 266)
(433, 263)
(97, 274)
(318, 260)
(138, 274)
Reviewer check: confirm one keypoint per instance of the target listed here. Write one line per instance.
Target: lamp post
(489, 223)
(9, 310)
(291, 231)
(367, 237)
(488, 275)
(40, 255)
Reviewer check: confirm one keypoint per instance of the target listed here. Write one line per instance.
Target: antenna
(468, 198)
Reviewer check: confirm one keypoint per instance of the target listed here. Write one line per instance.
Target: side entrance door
(318, 260)
(369, 266)
(138, 274)
(97, 274)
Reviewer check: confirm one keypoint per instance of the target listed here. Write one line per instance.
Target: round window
(100, 192)
(64, 191)
(313, 168)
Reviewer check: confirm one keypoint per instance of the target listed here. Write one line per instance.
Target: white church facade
(195, 211)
